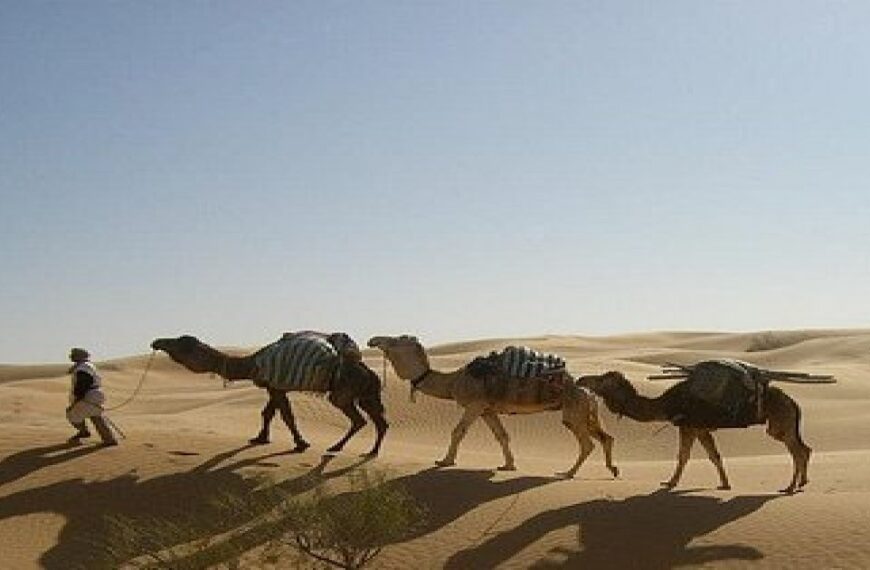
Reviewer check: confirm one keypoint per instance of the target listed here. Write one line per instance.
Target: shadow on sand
(18, 465)
(648, 531)
(446, 494)
(86, 505)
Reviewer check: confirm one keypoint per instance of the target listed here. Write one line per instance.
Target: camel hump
(297, 362)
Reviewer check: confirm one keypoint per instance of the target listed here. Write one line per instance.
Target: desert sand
(187, 434)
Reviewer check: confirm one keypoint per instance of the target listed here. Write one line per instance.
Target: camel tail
(797, 425)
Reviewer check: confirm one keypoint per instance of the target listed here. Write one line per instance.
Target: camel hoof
(668, 484)
(506, 468)
(724, 487)
(564, 475)
(334, 449)
(445, 463)
(614, 471)
(300, 447)
(259, 440)
(788, 491)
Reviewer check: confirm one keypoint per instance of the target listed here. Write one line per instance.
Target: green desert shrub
(272, 527)
(350, 529)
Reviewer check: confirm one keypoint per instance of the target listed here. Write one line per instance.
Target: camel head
(188, 351)
(405, 353)
(613, 387)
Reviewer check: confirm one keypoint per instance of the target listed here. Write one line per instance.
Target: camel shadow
(448, 494)
(18, 465)
(444, 494)
(89, 506)
(647, 531)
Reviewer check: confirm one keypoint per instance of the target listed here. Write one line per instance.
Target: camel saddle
(522, 374)
(300, 361)
(722, 393)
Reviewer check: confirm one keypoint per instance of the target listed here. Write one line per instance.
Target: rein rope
(415, 384)
(138, 387)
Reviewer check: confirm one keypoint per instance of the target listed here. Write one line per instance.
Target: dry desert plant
(274, 528)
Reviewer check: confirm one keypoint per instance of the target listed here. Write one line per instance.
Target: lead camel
(351, 386)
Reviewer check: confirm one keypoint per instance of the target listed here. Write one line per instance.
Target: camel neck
(235, 367)
(644, 409)
(437, 384)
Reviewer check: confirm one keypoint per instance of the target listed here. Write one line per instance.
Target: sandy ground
(187, 434)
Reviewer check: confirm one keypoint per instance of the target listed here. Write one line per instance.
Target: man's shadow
(18, 465)
(648, 531)
(89, 506)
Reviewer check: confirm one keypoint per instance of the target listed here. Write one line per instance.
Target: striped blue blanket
(299, 361)
(523, 362)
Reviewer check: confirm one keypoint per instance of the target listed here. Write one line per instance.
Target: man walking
(86, 399)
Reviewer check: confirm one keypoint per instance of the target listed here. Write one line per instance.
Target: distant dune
(186, 433)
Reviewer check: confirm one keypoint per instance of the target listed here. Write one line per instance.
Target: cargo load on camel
(302, 361)
(523, 373)
(726, 392)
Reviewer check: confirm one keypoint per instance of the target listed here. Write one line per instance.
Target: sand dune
(186, 435)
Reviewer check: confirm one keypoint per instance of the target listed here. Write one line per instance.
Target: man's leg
(81, 434)
(76, 419)
(103, 429)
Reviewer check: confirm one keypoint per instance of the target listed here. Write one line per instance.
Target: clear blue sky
(454, 170)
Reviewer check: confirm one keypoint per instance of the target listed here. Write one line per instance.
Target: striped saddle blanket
(297, 361)
(523, 362)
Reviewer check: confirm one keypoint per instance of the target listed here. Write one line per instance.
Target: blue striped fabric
(523, 362)
(292, 362)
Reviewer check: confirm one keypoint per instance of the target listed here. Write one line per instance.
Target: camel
(579, 408)
(354, 384)
(679, 406)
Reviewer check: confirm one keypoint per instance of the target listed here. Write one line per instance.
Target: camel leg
(787, 430)
(706, 439)
(605, 438)
(574, 416)
(501, 435)
(468, 417)
(268, 414)
(283, 404)
(687, 438)
(375, 410)
(356, 422)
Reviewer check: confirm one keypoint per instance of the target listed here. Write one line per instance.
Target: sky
(453, 170)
